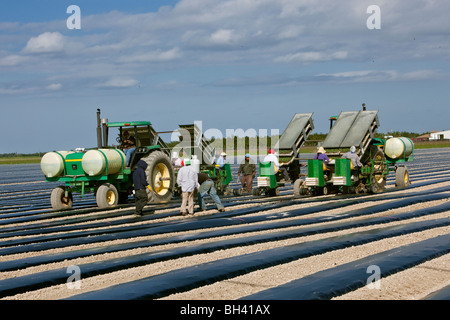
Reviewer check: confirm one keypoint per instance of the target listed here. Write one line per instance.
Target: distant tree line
(246, 142)
(15, 155)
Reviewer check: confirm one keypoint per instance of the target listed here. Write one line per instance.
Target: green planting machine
(103, 170)
(202, 155)
(378, 156)
(288, 147)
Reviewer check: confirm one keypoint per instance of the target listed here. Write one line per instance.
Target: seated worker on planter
(221, 160)
(128, 146)
(356, 162)
(328, 164)
(271, 157)
(322, 155)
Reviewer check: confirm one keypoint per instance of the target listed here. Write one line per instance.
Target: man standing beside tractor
(140, 184)
(248, 170)
(187, 179)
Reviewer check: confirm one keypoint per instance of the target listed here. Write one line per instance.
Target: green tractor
(378, 156)
(270, 178)
(104, 171)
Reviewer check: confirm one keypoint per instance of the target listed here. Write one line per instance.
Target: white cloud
(12, 60)
(119, 83)
(47, 42)
(54, 86)
(233, 33)
(312, 56)
(224, 36)
(380, 76)
(153, 56)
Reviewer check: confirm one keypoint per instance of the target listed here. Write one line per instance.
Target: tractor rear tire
(402, 177)
(107, 196)
(160, 176)
(58, 199)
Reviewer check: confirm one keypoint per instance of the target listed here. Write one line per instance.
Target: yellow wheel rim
(110, 197)
(161, 179)
(379, 168)
(406, 177)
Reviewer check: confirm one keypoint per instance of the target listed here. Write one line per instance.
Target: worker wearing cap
(248, 170)
(221, 160)
(188, 181)
(271, 157)
(354, 157)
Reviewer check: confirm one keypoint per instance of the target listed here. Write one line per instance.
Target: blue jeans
(128, 154)
(206, 188)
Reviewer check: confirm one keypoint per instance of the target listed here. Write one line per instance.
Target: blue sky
(232, 64)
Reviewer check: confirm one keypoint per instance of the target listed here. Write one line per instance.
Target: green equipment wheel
(58, 199)
(107, 196)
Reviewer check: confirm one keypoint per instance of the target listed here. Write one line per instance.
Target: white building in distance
(440, 135)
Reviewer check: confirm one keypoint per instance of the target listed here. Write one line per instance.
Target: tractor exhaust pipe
(105, 133)
(99, 130)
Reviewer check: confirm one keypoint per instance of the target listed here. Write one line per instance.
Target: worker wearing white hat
(353, 156)
(221, 160)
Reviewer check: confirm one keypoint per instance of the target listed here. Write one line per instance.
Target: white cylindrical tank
(96, 162)
(396, 148)
(52, 163)
(195, 163)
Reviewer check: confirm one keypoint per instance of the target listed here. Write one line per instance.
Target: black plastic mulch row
(337, 281)
(50, 258)
(192, 277)
(442, 294)
(211, 221)
(53, 277)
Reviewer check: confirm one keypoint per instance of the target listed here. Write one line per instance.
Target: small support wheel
(402, 177)
(58, 199)
(107, 196)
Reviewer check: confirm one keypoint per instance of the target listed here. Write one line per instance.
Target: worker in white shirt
(356, 161)
(271, 157)
(187, 179)
(221, 160)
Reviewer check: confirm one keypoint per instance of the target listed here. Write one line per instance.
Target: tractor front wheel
(107, 196)
(58, 199)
